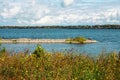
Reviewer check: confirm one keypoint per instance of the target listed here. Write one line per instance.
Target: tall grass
(42, 65)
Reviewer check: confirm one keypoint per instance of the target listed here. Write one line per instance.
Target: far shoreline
(64, 27)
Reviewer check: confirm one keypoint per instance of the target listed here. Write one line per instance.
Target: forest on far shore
(70, 27)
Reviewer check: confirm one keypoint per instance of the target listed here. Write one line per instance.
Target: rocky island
(78, 40)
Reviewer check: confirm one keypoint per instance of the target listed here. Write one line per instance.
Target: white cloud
(8, 13)
(33, 12)
(48, 20)
(40, 11)
(68, 2)
(99, 0)
(33, 2)
(79, 17)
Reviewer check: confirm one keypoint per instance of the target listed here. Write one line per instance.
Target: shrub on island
(78, 39)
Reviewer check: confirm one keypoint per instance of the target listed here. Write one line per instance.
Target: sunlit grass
(43, 65)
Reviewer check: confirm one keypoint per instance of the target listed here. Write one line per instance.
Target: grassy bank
(42, 65)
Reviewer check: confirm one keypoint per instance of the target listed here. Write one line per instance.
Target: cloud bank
(59, 12)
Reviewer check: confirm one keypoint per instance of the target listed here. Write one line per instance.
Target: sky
(59, 12)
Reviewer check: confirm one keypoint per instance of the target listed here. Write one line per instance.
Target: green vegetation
(0, 39)
(107, 26)
(76, 40)
(14, 41)
(2, 50)
(42, 65)
(39, 51)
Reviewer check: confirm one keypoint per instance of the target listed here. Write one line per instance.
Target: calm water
(109, 39)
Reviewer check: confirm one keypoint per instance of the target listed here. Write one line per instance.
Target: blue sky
(59, 12)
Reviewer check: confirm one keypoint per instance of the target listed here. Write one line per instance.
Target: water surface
(109, 39)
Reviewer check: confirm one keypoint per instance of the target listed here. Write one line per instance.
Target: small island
(77, 40)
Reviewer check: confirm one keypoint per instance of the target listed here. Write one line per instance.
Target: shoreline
(26, 40)
(104, 26)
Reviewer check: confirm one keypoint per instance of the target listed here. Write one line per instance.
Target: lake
(108, 39)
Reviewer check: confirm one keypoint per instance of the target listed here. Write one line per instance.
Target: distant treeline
(69, 27)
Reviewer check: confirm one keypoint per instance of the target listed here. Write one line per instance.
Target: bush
(76, 40)
(39, 51)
